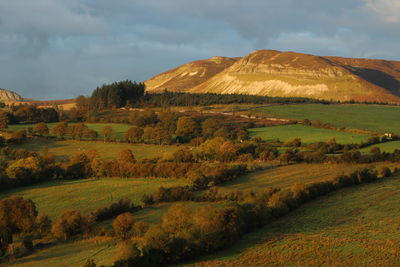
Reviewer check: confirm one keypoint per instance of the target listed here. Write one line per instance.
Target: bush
(69, 224)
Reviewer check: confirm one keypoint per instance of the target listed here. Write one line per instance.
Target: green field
(365, 117)
(62, 149)
(357, 226)
(88, 194)
(385, 147)
(119, 129)
(287, 176)
(70, 254)
(306, 133)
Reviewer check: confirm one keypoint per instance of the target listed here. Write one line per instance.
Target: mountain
(7, 95)
(275, 73)
(189, 75)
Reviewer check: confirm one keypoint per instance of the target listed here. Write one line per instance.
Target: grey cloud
(63, 48)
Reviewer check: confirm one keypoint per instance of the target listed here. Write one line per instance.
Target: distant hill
(7, 95)
(275, 73)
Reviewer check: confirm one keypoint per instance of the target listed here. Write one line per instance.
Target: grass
(62, 149)
(306, 133)
(88, 194)
(365, 117)
(70, 254)
(357, 226)
(385, 147)
(119, 129)
(287, 176)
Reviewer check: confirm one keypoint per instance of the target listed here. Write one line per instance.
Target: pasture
(71, 254)
(63, 148)
(376, 118)
(88, 195)
(388, 147)
(289, 175)
(306, 133)
(356, 226)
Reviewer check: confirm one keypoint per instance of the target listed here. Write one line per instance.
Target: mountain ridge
(8, 95)
(289, 74)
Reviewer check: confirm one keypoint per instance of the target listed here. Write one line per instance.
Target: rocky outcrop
(7, 95)
(275, 73)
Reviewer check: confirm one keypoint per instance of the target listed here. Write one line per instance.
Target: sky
(56, 49)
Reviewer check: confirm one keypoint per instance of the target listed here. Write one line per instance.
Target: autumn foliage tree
(41, 129)
(123, 224)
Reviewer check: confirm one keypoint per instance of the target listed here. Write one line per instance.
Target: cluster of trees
(184, 234)
(19, 216)
(27, 114)
(187, 99)
(169, 127)
(75, 131)
(115, 95)
(348, 156)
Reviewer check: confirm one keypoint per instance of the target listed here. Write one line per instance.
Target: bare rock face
(275, 73)
(7, 95)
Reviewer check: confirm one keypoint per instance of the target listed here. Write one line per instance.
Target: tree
(209, 127)
(17, 214)
(126, 156)
(41, 129)
(123, 224)
(4, 120)
(116, 95)
(70, 223)
(107, 132)
(90, 134)
(134, 134)
(60, 129)
(186, 127)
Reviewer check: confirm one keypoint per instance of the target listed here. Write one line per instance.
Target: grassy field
(88, 194)
(306, 133)
(287, 176)
(357, 226)
(62, 149)
(365, 117)
(70, 254)
(385, 147)
(118, 129)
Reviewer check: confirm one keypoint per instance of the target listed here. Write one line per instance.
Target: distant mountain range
(289, 74)
(7, 95)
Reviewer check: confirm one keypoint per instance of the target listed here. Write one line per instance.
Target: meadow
(88, 195)
(365, 117)
(71, 254)
(289, 175)
(388, 147)
(63, 148)
(307, 134)
(357, 226)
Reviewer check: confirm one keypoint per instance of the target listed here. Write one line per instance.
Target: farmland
(306, 133)
(63, 148)
(388, 147)
(87, 195)
(365, 117)
(354, 226)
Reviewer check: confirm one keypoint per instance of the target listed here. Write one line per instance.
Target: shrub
(69, 224)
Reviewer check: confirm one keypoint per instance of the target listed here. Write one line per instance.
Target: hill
(289, 74)
(7, 95)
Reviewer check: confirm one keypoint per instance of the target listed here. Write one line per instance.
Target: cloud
(63, 48)
(387, 10)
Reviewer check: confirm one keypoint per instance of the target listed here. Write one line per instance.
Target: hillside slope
(189, 75)
(7, 95)
(275, 73)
